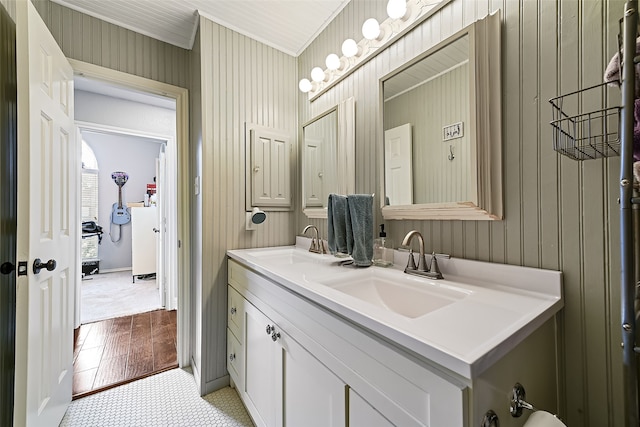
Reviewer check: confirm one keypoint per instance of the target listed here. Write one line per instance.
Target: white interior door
(162, 264)
(314, 172)
(47, 224)
(398, 157)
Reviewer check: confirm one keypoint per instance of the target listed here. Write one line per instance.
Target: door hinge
(23, 268)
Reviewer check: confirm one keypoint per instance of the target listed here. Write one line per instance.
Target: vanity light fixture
(403, 15)
(318, 74)
(371, 29)
(305, 85)
(333, 62)
(397, 9)
(350, 48)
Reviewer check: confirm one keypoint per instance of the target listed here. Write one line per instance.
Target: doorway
(115, 122)
(122, 259)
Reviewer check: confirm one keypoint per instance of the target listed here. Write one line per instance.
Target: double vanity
(315, 342)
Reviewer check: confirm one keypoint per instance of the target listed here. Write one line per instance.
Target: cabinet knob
(270, 329)
(232, 357)
(233, 310)
(275, 336)
(256, 169)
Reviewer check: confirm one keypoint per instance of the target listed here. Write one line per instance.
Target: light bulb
(397, 9)
(317, 74)
(332, 61)
(371, 29)
(305, 85)
(349, 48)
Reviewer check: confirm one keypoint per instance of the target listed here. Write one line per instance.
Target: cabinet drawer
(235, 359)
(235, 313)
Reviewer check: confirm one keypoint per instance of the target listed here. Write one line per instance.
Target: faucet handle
(411, 262)
(434, 269)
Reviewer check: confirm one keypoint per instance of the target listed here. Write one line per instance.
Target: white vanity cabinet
(303, 363)
(279, 381)
(322, 372)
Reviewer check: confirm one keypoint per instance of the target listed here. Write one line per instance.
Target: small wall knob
(39, 265)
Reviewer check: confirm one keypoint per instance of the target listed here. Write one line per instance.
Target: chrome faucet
(317, 246)
(433, 271)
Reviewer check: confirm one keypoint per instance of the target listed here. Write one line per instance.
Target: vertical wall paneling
(559, 213)
(92, 40)
(242, 81)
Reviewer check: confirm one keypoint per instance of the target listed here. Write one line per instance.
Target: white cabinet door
(313, 395)
(263, 369)
(284, 385)
(270, 169)
(361, 414)
(235, 359)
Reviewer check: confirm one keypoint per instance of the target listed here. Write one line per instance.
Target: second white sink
(406, 295)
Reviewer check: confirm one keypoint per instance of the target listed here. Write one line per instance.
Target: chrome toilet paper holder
(517, 401)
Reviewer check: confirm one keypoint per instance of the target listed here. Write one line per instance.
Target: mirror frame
(345, 153)
(485, 128)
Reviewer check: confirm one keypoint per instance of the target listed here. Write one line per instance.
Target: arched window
(89, 200)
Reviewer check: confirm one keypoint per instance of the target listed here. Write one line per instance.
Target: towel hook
(518, 402)
(490, 419)
(451, 156)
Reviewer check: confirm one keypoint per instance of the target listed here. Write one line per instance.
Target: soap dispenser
(383, 249)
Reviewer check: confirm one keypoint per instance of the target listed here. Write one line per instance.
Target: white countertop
(502, 305)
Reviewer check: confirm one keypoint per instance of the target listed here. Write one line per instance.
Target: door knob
(155, 230)
(39, 265)
(7, 268)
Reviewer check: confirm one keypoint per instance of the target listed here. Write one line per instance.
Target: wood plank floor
(120, 350)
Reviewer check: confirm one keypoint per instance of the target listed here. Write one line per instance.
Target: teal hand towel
(359, 227)
(336, 224)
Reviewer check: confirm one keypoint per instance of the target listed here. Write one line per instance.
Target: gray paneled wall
(242, 81)
(559, 214)
(10, 6)
(98, 42)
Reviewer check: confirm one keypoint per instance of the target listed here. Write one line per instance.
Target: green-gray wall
(242, 81)
(560, 214)
(97, 42)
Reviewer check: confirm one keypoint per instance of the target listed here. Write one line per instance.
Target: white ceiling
(287, 25)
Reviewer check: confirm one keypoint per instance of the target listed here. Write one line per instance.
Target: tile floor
(168, 399)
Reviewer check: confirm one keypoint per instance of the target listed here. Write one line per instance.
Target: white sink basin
(409, 296)
(289, 256)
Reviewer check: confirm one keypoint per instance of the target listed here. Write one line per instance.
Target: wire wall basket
(584, 135)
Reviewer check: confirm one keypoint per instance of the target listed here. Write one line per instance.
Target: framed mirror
(442, 127)
(328, 157)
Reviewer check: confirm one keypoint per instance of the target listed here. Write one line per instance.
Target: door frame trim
(181, 96)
